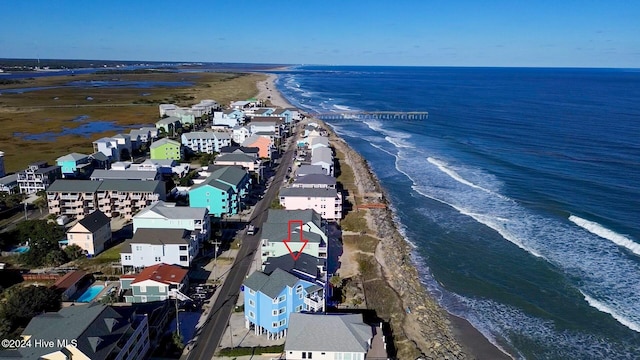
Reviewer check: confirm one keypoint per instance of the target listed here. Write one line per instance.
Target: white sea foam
(453, 174)
(607, 309)
(342, 107)
(548, 238)
(603, 232)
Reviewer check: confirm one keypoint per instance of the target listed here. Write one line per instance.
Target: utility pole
(177, 317)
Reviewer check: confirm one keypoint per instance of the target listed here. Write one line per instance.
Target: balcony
(314, 302)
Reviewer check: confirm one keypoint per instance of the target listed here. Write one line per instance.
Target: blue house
(222, 192)
(270, 299)
(74, 165)
(286, 113)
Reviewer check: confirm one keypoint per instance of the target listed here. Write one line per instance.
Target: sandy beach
(429, 328)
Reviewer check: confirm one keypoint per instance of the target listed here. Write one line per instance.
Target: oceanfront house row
(222, 191)
(155, 283)
(284, 225)
(38, 177)
(154, 246)
(92, 233)
(326, 202)
(115, 198)
(205, 142)
(166, 149)
(333, 336)
(94, 331)
(269, 300)
(162, 215)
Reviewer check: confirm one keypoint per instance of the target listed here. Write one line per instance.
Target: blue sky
(432, 33)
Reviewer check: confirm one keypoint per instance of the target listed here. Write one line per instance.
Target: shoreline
(429, 326)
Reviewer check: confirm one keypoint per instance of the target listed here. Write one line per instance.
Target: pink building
(325, 201)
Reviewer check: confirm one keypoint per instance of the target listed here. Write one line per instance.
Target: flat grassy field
(52, 110)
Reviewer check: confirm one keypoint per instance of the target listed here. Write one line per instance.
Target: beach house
(9, 184)
(154, 246)
(169, 125)
(240, 134)
(323, 157)
(264, 145)
(229, 118)
(222, 191)
(166, 149)
(301, 265)
(38, 176)
(269, 300)
(248, 162)
(284, 225)
(111, 148)
(94, 331)
(92, 233)
(74, 165)
(327, 202)
(163, 215)
(305, 170)
(158, 282)
(333, 336)
(314, 181)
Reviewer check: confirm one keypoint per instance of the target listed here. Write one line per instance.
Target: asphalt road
(215, 325)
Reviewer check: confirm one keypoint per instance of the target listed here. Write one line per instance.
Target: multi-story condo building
(37, 177)
(326, 202)
(124, 198)
(205, 142)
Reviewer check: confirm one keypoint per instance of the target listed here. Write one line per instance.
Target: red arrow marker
(288, 239)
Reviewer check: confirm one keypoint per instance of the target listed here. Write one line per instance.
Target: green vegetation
(43, 238)
(249, 351)
(52, 109)
(275, 204)
(354, 221)
(21, 303)
(363, 243)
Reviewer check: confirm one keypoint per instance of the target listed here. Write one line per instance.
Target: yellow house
(91, 233)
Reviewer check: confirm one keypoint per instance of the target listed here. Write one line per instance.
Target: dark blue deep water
(520, 193)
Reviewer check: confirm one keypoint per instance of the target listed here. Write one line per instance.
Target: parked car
(251, 230)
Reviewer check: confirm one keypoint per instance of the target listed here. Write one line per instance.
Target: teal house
(74, 165)
(222, 191)
(155, 283)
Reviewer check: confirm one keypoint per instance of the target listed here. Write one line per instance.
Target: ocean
(520, 193)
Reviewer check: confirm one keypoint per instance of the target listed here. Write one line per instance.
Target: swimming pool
(90, 293)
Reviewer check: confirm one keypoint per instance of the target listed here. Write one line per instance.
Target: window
(143, 289)
(252, 292)
(252, 315)
(127, 257)
(283, 322)
(138, 247)
(299, 289)
(298, 308)
(282, 298)
(252, 303)
(158, 259)
(274, 324)
(184, 258)
(281, 311)
(88, 237)
(274, 312)
(183, 247)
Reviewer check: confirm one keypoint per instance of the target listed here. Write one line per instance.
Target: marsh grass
(51, 110)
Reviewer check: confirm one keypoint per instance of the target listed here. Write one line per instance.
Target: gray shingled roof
(93, 324)
(155, 186)
(308, 192)
(310, 169)
(9, 179)
(99, 156)
(140, 175)
(173, 212)
(224, 176)
(270, 285)
(95, 221)
(235, 157)
(283, 216)
(322, 154)
(72, 157)
(275, 232)
(306, 263)
(160, 236)
(74, 186)
(199, 135)
(323, 179)
(345, 333)
(168, 120)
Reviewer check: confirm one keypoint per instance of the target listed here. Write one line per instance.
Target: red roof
(164, 273)
(69, 279)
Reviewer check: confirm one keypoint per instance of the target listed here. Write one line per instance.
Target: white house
(153, 246)
(334, 336)
(109, 147)
(326, 202)
(240, 134)
(324, 157)
(320, 181)
(205, 142)
(163, 215)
